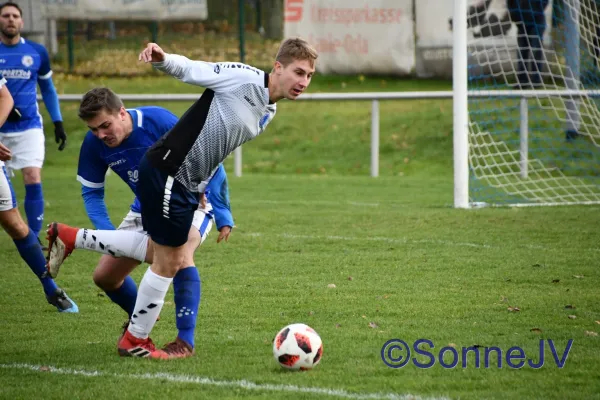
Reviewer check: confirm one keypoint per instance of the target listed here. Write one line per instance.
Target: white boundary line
(403, 241)
(368, 239)
(201, 380)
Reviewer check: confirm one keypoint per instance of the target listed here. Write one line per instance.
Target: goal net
(533, 120)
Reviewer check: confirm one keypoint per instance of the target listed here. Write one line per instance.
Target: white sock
(150, 299)
(116, 243)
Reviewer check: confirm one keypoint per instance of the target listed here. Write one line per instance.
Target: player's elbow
(6, 98)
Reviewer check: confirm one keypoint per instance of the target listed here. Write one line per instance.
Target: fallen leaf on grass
(514, 309)
(350, 278)
(44, 368)
(373, 325)
(535, 330)
(572, 316)
(578, 276)
(598, 322)
(591, 333)
(338, 325)
(331, 286)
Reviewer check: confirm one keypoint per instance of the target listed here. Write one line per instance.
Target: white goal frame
(461, 95)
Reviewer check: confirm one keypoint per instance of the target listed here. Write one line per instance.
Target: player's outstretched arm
(200, 73)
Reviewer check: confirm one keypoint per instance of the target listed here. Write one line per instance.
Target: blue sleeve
(218, 196)
(93, 199)
(46, 85)
(160, 120)
(91, 170)
(50, 98)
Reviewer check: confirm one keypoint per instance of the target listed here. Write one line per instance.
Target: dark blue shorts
(167, 206)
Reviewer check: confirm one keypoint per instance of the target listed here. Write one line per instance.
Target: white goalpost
(526, 102)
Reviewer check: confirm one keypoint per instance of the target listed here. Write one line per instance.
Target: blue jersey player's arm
(91, 172)
(218, 196)
(47, 88)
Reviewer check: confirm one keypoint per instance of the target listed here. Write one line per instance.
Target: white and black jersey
(233, 109)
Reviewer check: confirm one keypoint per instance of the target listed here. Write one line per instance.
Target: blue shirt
(149, 124)
(23, 66)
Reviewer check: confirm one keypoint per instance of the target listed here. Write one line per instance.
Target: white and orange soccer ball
(297, 346)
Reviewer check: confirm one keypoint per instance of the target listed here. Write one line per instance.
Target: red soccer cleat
(178, 349)
(61, 243)
(130, 346)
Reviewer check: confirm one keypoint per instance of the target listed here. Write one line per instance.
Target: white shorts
(203, 221)
(27, 148)
(8, 201)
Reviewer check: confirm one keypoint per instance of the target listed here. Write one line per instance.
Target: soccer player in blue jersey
(10, 219)
(118, 138)
(26, 64)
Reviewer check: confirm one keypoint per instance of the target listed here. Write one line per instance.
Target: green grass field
(406, 265)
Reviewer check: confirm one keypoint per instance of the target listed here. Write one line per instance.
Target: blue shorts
(167, 207)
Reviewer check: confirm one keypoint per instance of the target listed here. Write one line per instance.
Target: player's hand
(59, 135)
(203, 201)
(152, 53)
(224, 234)
(5, 153)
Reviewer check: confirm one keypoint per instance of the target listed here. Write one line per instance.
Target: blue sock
(186, 286)
(125, 295)
(30, 251)
(34, 207)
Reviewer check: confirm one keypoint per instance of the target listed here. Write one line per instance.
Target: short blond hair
(294, 49)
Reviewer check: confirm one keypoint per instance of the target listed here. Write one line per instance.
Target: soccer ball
(297, 346)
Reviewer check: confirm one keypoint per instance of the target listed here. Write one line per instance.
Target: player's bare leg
(112, 276)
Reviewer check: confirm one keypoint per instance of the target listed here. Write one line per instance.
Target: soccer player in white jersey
(11, 221)
(25, 65)
(117, 139)
(238, 103)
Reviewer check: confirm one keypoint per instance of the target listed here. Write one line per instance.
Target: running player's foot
(62, 302)
(178, 349)
(61, 243)
(130, 346)
(123, 330)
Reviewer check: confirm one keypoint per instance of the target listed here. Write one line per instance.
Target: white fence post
(375, 138)
(524, 137)
(237, 161)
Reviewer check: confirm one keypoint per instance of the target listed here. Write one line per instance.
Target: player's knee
(105, 277)
(13, 224)
(31, 175)
(104, 280)
(194, 239)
